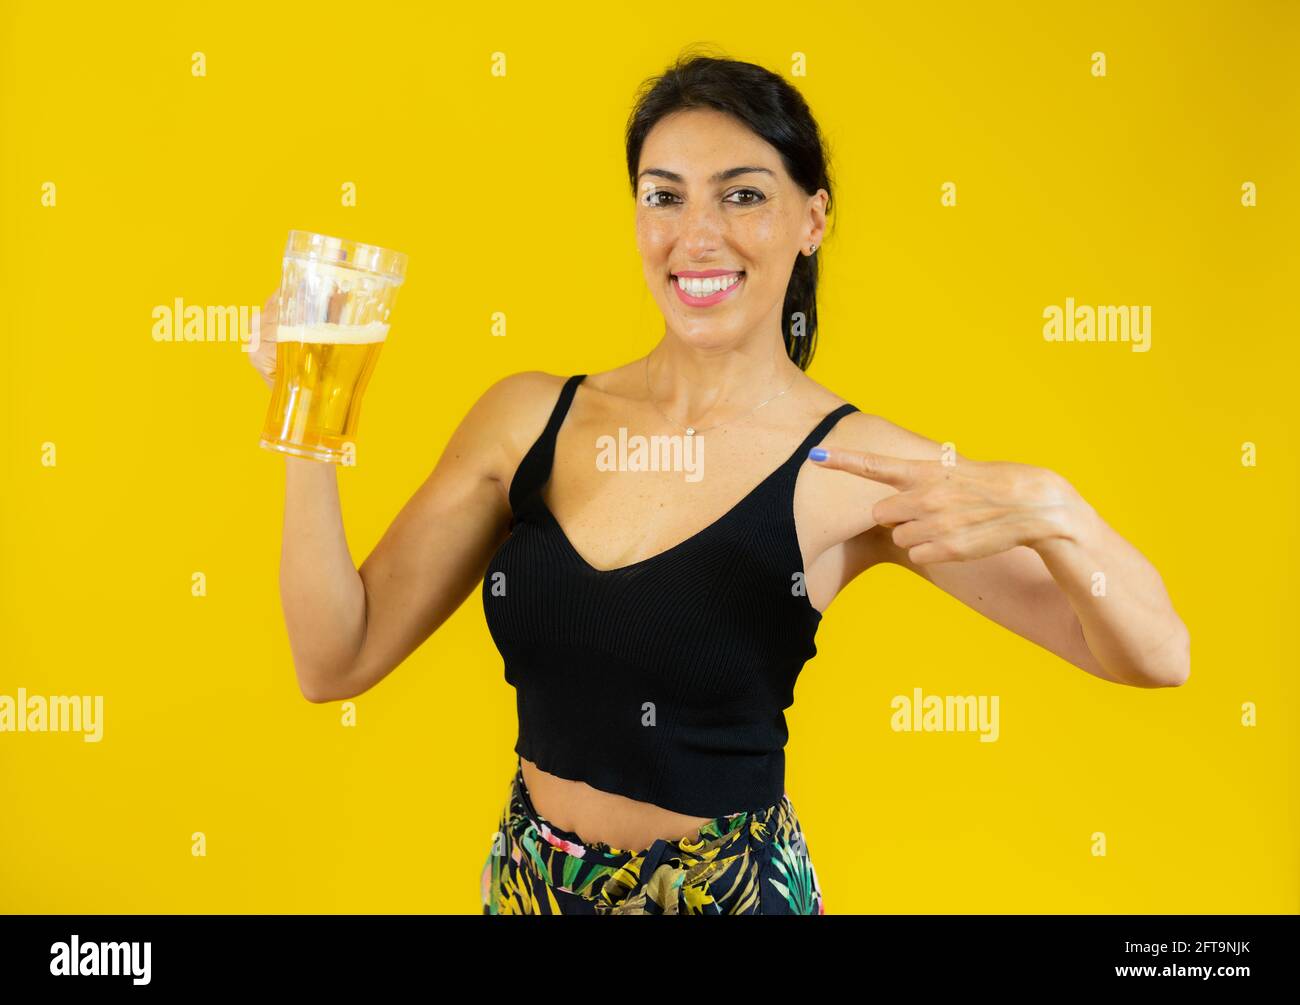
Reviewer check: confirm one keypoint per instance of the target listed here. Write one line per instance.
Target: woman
(653, 620)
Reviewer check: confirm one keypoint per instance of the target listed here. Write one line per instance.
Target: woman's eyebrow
(719, 176)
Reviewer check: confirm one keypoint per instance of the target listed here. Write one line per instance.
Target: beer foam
(327, 332)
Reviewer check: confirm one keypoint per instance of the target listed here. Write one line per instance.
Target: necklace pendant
(690, 430)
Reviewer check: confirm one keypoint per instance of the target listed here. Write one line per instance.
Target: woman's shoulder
(862, 429)
(817, 401)
(870, 431)
(523, 396)
(509, 415)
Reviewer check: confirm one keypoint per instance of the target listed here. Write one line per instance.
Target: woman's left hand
(954, 512)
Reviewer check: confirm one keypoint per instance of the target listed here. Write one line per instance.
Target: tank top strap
(535, 468)
(819, 433)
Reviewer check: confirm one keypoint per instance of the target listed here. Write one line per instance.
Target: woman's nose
(702, 228)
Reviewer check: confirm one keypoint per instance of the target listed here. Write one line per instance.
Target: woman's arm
(349, 627)
(1020, 545)
(1132, 627)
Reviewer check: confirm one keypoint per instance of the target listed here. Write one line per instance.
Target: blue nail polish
(817, 454)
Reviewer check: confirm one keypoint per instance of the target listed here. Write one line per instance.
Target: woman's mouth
(704, 291)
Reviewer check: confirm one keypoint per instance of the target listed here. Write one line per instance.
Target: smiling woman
(654, 626)
(764, 198)
(629, 737)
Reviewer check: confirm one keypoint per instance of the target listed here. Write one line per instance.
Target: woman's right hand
(263, 360)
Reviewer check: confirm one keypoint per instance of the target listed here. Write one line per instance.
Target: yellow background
(1117, 190)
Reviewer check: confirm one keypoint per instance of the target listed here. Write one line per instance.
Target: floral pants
(749, 862)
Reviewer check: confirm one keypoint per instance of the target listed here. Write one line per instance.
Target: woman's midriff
(604, 816)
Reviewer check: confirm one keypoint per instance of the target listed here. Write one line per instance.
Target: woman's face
(714, 198)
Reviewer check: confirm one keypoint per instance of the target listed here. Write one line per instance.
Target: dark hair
(776, 111)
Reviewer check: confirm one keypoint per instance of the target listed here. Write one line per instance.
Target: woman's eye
(754, 197)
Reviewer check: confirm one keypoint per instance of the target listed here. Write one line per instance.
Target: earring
(812, 249)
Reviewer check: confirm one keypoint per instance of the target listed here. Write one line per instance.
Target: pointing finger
(896, 471)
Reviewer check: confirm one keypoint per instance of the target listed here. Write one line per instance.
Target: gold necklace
(691, 430)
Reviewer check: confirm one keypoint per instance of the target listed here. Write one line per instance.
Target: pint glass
(335, 299)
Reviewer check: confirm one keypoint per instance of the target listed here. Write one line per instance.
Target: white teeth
(705, 287)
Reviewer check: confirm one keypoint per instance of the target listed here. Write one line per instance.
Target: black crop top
(664, 680)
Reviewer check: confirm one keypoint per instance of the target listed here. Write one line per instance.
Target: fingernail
(817, 454)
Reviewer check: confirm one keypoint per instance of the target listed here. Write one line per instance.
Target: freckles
(765, 228)
(651, 233)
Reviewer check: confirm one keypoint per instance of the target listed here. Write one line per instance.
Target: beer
(321, 373)
(335, 300)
